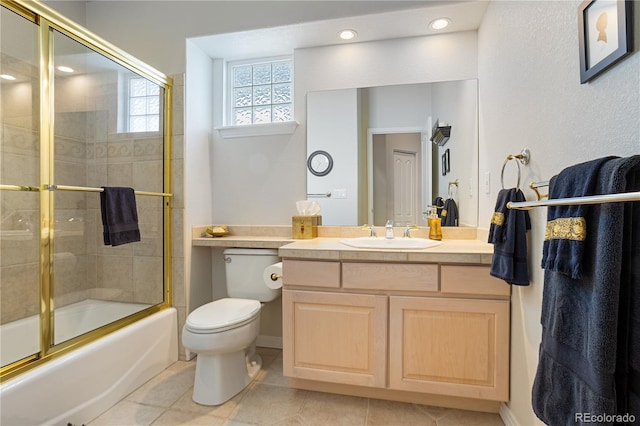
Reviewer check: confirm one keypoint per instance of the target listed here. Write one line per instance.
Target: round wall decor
(320, 163)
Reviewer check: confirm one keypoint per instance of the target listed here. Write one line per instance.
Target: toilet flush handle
(227, 259)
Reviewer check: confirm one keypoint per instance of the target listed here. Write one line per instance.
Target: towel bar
(92, 189)
(19, 188)
(326, 194)
(535, 185)
(594, 199)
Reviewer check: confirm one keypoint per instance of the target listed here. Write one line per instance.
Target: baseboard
(507, 416)
(274, 342)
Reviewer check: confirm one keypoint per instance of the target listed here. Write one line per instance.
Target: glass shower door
(76, 114)
(19, 183)
(108, 132)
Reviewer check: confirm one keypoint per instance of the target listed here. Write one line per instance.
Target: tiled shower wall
(19, 217)
(86, 154)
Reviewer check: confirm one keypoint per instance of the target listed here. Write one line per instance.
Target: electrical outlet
(487, 183)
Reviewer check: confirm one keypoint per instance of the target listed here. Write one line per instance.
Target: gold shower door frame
(47, 20)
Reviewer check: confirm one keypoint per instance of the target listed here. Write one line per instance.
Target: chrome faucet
(389, 230)
(407, 230)
(372, 230)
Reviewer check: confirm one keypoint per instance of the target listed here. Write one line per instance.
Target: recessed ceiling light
(348, 34)
(65, 69)
(440, 23)
(7, 77)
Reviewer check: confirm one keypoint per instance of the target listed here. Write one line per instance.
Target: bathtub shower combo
(81, 323)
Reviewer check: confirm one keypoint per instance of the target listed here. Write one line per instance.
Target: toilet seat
(221, 315)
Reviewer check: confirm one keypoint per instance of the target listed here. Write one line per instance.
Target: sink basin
(390, 244)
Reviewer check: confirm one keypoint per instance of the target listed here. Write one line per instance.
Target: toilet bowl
(223, 333)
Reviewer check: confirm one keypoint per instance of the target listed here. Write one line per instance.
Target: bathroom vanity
(427, 326)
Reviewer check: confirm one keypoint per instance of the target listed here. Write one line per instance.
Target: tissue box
(303, 227)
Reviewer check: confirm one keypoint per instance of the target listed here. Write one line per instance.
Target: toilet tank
(244, 268)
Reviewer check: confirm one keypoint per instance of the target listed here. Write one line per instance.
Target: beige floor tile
(235, 423)
(186, 403)
(470, 418)
(166, 400)
(329, 409)
(396, 413)
(164, 389)
(270, 352)
(184, 418)
(179, 366)
(267, 404)
(434, 412)
(127, 413)
(292, 421)
(272, 373)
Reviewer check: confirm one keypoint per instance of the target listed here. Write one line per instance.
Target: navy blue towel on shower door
(119, 216)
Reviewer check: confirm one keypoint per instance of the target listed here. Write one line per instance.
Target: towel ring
(523, 157)
(450, 190)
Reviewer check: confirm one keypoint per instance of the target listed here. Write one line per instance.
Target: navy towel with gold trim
(588, 359)
(566, 230)
(508, 234)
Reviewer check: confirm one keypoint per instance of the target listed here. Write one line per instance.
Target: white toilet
(223, 333)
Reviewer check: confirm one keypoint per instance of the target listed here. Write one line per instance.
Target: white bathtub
(19, 339)
(82, 384)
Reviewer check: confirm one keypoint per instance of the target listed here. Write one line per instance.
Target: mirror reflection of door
(397, 171)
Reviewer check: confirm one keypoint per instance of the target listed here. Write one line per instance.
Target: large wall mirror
(384, 165)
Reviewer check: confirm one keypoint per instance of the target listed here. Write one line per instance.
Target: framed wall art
(446, 162)
(605, 35)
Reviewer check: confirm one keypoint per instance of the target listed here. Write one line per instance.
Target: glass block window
(261, 92)
(144, 105)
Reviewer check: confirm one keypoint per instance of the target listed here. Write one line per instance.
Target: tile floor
(166, 400)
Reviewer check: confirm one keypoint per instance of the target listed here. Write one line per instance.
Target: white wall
(456, 103)
(404, 105)
(531, 96)
(74, 10)
(333, 127)
(197, 173)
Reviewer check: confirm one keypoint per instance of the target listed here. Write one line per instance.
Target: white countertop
(466, 251)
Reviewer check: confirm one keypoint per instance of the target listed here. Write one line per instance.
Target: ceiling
(277, 41)
(464, 16)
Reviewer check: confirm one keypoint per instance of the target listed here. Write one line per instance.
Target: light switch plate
(487, 183)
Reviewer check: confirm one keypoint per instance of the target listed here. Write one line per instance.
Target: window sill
(251, 130)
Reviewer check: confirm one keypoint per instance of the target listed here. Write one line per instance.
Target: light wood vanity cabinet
(402, 328)
(457, 347)
(335, 337)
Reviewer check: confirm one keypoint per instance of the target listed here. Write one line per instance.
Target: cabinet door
(335, 337)
(449, 346)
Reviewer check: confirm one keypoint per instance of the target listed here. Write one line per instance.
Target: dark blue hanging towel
(119, 216)
(508, 234)
(450, 213)
(566, 228)
(588, 359)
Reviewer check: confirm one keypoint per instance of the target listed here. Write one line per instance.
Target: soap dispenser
(434, 222)
(389, 230)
